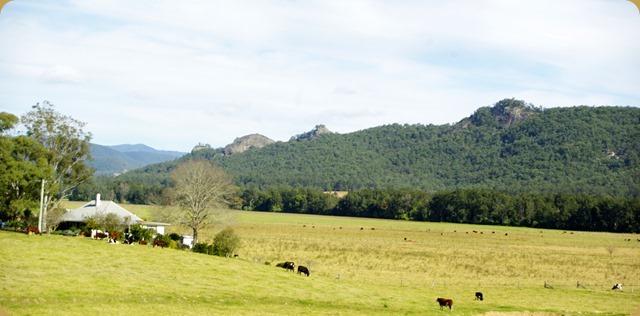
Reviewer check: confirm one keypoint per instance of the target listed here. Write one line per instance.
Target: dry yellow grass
(378, 267)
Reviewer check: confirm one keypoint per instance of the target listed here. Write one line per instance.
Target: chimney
(97, 199)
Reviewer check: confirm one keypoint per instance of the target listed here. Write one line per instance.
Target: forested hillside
(512, 147)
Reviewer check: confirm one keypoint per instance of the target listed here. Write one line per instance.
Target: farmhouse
(98, 207)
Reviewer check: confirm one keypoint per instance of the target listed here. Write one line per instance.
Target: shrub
(204, 248)
(112, 222)
(164, 238)
(92, 223)
(140, 233)
(14, 224)
(86, 230)
(200, 247)
(174, 236)
(226, 242)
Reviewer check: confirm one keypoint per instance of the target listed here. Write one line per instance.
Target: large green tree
(23, 165)
(201, 192)
(67, 146)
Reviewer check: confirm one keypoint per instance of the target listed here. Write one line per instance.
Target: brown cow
(445, 302)
(33, 229)
(113, 237)
(160, 243)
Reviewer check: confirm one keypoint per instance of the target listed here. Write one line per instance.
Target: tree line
(510, 164)
(467, 205)
(464, 205)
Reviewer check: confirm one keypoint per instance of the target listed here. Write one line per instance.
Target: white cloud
(62, 74)
(171, 74)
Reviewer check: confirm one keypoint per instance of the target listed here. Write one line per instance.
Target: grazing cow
(128, 238)
(98, 234)
(617, 286)
(160, 243)
(143, 242)
(33, 229)
(479, 296)
(113, 237)
(290, 266)
(303, 269)
(445, 302)
(286, 265)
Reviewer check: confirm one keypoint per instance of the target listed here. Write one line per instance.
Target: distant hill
(241, 144)
(113, 160)
(511, 146)
(127, 148)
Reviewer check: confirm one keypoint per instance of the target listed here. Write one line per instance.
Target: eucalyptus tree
(67, 146)
(23, 164)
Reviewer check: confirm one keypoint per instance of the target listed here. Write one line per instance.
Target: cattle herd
(114, 238)
(289, 265)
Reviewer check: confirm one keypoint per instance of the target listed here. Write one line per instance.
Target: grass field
(380, 273)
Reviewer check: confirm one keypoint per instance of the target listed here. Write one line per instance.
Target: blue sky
(172, 74)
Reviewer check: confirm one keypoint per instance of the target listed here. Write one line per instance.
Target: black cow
(286, 265)
(128, 238)
(479, 296)
(303, 269)
(289, 265)
(617, 286)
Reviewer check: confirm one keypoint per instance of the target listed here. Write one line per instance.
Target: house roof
(104, 207)
(154, 224)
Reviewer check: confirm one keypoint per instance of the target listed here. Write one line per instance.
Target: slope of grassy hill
(380, 272)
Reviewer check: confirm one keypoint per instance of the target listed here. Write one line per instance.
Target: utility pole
(44, 212)
(41, 206)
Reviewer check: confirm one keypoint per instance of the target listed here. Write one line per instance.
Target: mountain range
(117, 159)
(511, 146)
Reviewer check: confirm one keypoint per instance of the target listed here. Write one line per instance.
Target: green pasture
(358, 267)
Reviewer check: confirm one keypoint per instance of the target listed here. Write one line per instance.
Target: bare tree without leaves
(200, 191)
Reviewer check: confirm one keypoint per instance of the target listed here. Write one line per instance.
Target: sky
(172, 74)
